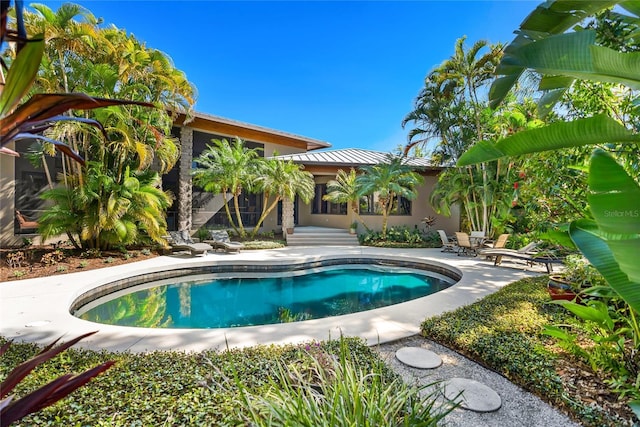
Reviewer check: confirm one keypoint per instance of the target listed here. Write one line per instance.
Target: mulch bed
(46, 261)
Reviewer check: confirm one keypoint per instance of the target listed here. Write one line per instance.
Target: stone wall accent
(287, 214)
(185, 189)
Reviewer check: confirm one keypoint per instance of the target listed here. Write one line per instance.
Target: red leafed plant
(12, 410)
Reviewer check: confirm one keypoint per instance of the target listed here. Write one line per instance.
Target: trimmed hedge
(504, 333)
(162, 388)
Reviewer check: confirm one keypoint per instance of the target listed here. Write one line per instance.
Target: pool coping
(37, 310)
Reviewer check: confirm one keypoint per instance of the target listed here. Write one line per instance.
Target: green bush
(504, 331)
(165, 388)
(264, 244)
(401, 237)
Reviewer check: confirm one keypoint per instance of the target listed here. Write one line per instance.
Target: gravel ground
(519, 407)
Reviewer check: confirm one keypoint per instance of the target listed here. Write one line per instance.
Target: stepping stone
(417, 357)
(475, 396)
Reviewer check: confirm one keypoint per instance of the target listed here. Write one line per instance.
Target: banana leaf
(594, 247)
(598, 129)
(576, 55)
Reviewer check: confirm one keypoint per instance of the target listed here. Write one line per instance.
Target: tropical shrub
(401, 236)
(135, 391)
(609, 236)
(506, 332)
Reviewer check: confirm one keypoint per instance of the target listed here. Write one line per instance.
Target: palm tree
(449, 108)
(66, 37)
(437, 116)
(284, 180)
(227, 168)
(346, 189)
(389, 181)
(104, 213)
(81, 56)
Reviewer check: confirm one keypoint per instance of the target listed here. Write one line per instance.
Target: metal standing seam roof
(350, 157)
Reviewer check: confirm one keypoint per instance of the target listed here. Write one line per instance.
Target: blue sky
(342, 72)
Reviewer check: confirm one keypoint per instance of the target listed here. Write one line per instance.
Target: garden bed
(504, 333)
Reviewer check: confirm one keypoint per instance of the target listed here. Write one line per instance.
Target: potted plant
(353, 228)
(577, 276)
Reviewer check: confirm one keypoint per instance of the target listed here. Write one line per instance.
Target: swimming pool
(257, 296)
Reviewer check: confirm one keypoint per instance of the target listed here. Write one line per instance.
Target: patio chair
(526, 253)
(220, 239)
(497, 244)
(500, 242)
(465, 245)
(477, 238)
(447, 245)
(182, 241)
(24, 223)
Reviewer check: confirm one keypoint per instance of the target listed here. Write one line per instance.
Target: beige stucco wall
(420, 208)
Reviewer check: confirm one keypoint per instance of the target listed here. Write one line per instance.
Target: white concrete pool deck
(37, 310)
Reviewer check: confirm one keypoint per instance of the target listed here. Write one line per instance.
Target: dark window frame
(319, 206)
(398, 201)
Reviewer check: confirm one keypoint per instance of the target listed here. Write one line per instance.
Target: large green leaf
(615, 205)
(598, 313)
(555, 17)
(21, 75)
(592, 130)
(555, 82)
(594, 247)
(549, 100)
(550, 17)
(632, 6)
(576, 55)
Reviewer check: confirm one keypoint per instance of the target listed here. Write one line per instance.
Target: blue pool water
(231, 302)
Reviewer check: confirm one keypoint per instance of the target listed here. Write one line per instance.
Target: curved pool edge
(37, 310)
(136, 279)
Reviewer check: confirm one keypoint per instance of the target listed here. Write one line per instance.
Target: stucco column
(185, 188)
(287, 214)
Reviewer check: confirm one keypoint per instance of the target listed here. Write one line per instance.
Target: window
(321, 206)
(369, 205)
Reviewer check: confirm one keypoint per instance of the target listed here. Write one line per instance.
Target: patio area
(37, 310)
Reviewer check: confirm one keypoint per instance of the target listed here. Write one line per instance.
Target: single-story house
(20, 182)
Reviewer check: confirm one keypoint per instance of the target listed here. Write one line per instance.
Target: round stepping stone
(417, 357)
(475, 396)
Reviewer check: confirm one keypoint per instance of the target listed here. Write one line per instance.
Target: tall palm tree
(450, 109)
(81, 56)
(227, 168)
(282, 180)
(69, 32)
(346, 189)
(389, 180)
